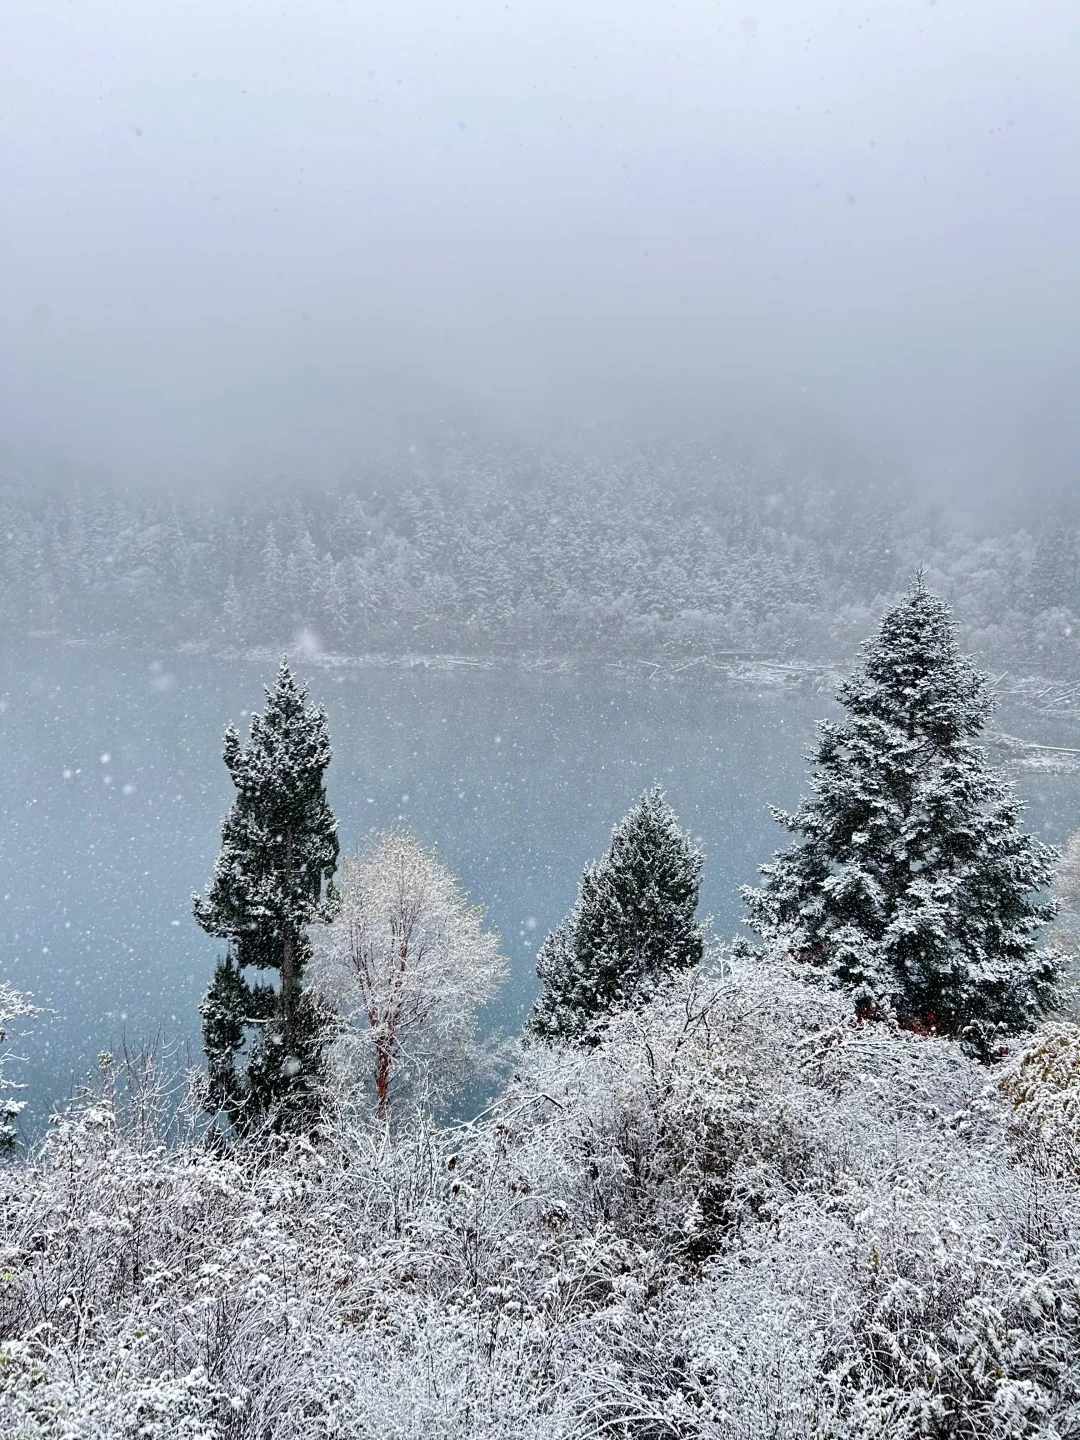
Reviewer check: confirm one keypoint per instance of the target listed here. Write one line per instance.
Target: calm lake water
(112, 790)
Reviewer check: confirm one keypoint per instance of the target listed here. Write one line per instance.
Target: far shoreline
(1039, 696)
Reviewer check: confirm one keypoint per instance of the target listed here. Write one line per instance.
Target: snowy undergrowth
(743, 1214)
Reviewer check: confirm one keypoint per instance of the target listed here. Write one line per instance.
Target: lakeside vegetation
(828, 1186)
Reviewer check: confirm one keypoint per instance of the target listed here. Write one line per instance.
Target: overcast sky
(240, 237)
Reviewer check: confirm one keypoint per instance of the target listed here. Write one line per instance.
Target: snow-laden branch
(15, 1008)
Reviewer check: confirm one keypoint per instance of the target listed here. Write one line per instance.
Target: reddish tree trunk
(288, 957)
(382, 1078)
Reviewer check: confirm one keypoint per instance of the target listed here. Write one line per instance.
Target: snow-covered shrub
(743, 1214)
(1043, 1084)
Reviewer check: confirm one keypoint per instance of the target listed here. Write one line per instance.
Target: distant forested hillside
(492, 550)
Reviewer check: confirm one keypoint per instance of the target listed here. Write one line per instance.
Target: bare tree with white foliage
(406, 963)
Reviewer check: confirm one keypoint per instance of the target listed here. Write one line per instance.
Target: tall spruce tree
(272, 879)
(913, 882)
(634, 922)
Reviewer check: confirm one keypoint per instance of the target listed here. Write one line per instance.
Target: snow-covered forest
(502, 551)
(540, 720)
(825, 1184)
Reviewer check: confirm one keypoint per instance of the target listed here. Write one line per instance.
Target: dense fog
(244, 242)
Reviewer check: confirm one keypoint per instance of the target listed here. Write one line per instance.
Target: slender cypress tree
(272, 879)
(912, 881)
(633, 923)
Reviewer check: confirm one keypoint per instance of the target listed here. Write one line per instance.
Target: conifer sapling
(633, 923)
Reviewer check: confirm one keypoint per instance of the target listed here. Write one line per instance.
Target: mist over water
(248, 242)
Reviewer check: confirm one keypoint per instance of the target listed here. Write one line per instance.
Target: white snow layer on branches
(15, 1007)
(744, 1214)
(405, 965)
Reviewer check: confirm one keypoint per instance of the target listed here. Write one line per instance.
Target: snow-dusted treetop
(279, 841)
(634, 923)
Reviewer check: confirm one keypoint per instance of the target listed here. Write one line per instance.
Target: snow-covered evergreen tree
(634, 922)
(273, 599)
(232, 612)
(912, 881)
(1054, 582)
(272, 879)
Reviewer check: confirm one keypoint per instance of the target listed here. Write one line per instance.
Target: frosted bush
(743, 1214)
(1043, 1084)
